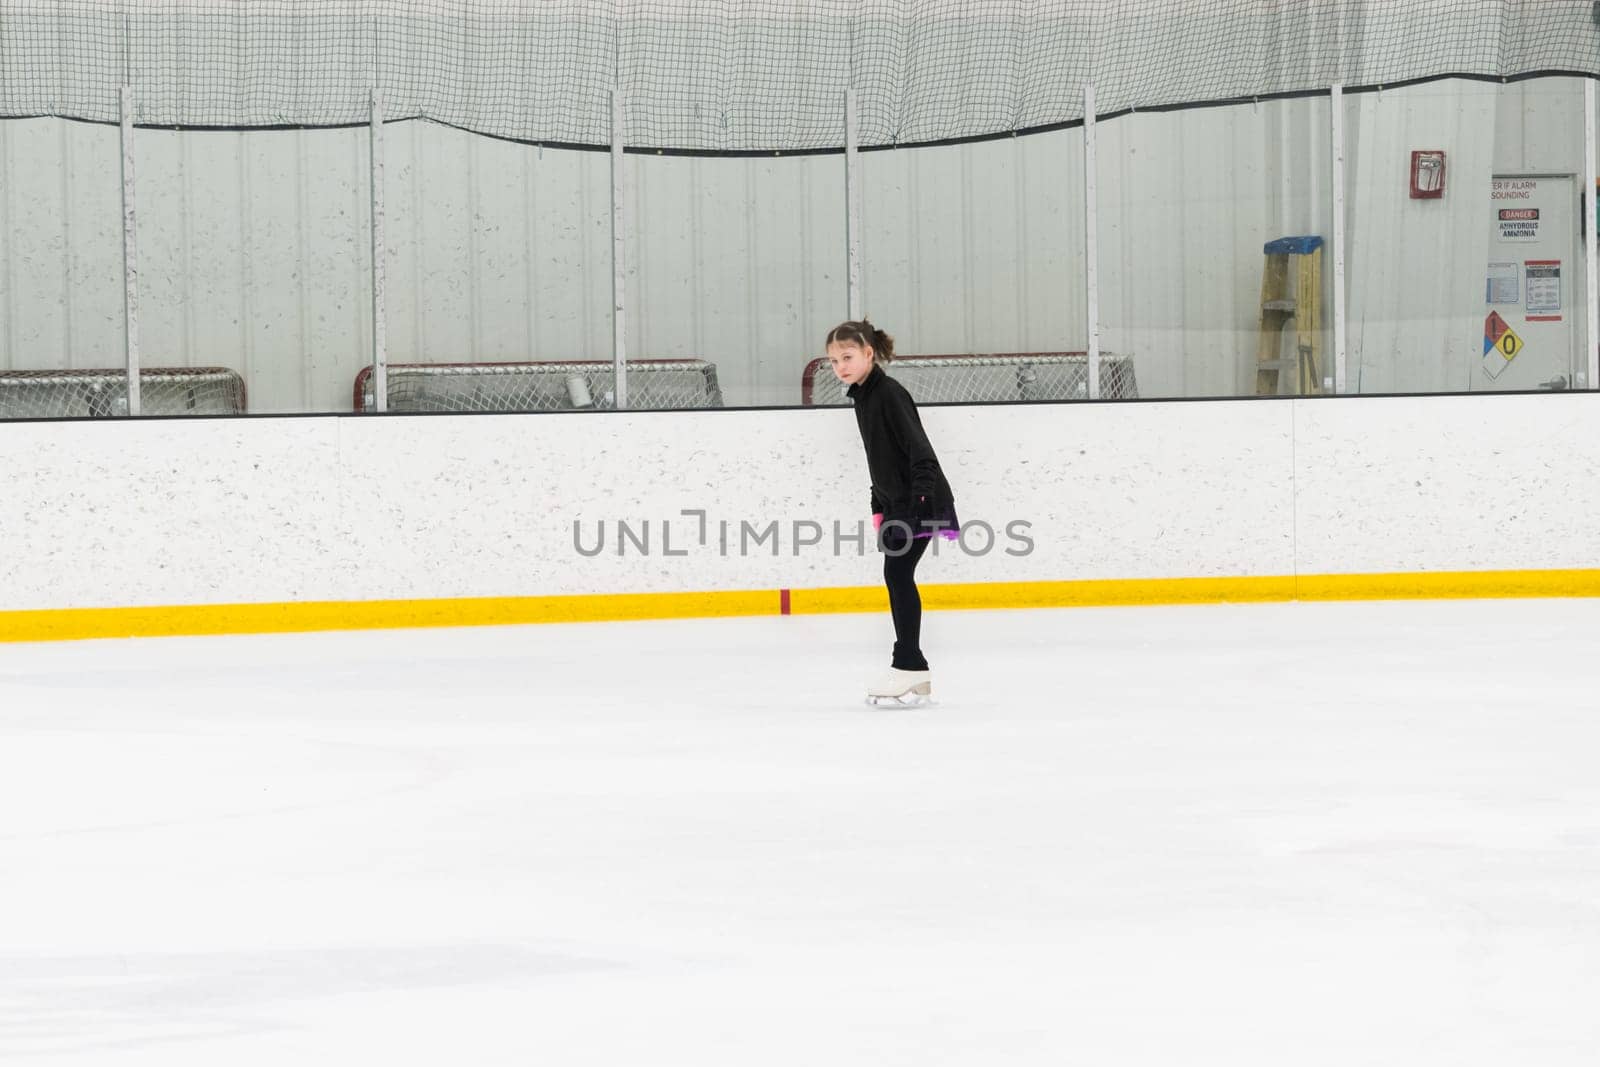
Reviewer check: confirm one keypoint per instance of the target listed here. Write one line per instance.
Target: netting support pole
(852, 209)
(130, 256)
(619, 262)
(1336, 114)
(380, 332)
(1091, 242)
(1591, 283)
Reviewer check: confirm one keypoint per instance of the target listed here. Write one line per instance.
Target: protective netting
(467, 387)
(745, 75)
(63, 394)
(986, 379)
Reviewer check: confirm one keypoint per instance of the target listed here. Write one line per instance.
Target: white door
(1529, 328)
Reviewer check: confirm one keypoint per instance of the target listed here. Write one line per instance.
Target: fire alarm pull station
(1427, 175)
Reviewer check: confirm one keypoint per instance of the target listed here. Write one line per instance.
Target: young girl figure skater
(911, 500)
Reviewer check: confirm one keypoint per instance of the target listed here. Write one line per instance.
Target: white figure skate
(902, 689)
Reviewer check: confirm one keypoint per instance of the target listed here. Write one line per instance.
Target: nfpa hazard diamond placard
(1500, 344)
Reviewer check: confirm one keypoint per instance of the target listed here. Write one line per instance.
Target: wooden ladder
(1279, 305)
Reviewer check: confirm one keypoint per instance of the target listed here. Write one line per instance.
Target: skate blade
(905, 700)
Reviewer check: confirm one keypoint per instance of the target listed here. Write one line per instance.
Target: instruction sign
(1512, 192)
(1505, 283)
(1544, 290)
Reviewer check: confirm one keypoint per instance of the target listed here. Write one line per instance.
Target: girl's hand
(877, 519)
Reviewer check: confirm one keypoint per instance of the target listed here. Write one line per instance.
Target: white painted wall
(255, 247)
(158, 512)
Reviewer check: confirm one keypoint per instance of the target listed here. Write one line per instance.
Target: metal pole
(1091, 241)
(380, 331)
(130, 256)
(619, 249)
(1591, 283)
(1340, 375)
(852, 209)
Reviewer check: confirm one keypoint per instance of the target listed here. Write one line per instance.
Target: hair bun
(882, 343)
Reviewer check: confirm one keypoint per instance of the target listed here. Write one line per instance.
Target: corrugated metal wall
(254, 246)
(1416, 268)
(1416, 272)
(1187, 200)
(60, 245)
(739, 261)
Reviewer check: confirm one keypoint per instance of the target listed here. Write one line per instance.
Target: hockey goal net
(65, 394)
(991, 378)
(571, 386)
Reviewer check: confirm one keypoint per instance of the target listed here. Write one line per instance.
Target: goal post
(985, 379)
(103, 393)
(542, 386)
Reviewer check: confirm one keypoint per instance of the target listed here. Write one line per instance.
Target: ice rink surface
(1285, 835)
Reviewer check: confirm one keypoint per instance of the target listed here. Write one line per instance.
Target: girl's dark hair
(866, 335)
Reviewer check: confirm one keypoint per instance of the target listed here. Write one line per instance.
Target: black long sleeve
(900, 459)
(906, 426)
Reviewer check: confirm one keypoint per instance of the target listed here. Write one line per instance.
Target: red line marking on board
(783, 602)
(1542, 318)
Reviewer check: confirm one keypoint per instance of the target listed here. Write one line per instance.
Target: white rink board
(1447, 484)
(175, 512)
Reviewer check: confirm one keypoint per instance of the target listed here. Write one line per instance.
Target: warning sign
(1509, 345)
(1519, 223)
(1500, 344)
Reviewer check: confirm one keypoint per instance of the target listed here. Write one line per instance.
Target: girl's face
(851, 362)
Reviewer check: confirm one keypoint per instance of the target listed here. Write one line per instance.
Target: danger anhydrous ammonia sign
(1519, 223)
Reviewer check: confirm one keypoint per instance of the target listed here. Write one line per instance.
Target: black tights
(905, 603)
